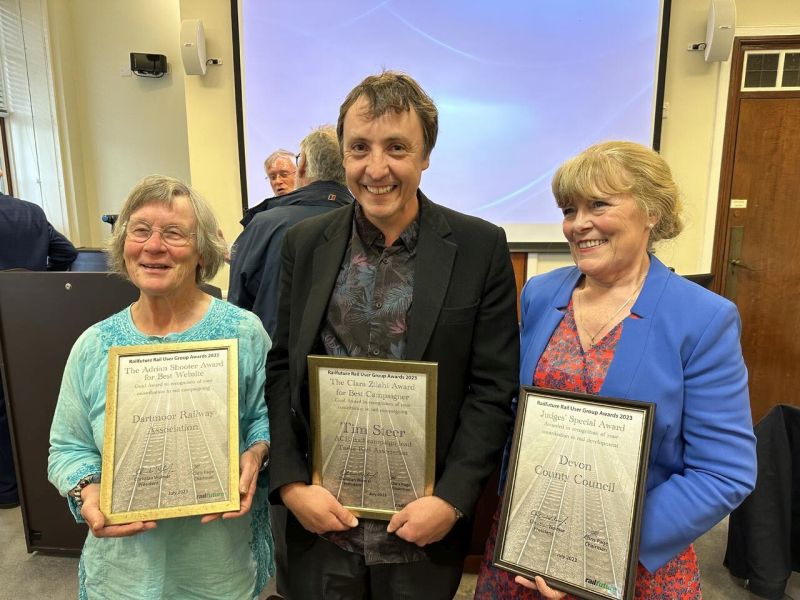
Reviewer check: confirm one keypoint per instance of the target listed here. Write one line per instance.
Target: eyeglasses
(172, 235)
(279, 175)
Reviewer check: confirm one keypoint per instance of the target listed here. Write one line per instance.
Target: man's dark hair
(398, 92)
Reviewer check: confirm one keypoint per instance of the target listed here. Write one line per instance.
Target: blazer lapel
(434, 263)
(630, 350)
(324, 270)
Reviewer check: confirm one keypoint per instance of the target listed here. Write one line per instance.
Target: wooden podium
(41, 316)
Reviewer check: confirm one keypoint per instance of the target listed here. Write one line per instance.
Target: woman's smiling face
(155, 267)
(608, 237)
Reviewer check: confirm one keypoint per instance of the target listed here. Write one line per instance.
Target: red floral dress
(564, 365)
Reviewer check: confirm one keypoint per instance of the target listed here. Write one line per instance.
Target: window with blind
(29, 108)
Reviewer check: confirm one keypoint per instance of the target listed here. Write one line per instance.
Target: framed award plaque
(171, 444)
(374, 431)
(573, 499)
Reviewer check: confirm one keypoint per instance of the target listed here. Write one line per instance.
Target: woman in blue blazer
(621, 324)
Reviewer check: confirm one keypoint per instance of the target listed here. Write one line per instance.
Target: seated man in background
(280, 169)
(256, 255)
(27, 241)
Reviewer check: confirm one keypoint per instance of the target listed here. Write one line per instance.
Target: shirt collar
(371, 235)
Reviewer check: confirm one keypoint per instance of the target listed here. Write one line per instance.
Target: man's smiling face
(383, 160)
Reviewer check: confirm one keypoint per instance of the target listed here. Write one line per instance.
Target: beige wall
(115, 129)
(69, 117)
(193, 127)
(761, 13)
(692, 132)
(211, 119)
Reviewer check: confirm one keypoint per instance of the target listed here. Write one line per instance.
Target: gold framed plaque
(573, 499)
(171, 443)
(374, 431)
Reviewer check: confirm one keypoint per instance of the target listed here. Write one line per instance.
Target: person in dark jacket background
(256, 254)
(27, 241)
(764, 532)
(281, 172)
(256, 258)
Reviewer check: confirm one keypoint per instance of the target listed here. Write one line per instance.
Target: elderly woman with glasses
(166, 243)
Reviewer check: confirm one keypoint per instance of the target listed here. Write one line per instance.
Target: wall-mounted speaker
(720, 29)
(193, 47)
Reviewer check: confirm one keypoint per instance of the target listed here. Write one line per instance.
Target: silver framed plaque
(573, 499)
(374, 431)
(171, 443)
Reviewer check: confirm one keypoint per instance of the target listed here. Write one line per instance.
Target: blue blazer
(683, 353)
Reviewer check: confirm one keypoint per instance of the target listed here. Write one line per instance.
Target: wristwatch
(75, 493)
(265, 462)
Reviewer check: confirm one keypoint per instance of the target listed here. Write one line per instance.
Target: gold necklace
(611, 318)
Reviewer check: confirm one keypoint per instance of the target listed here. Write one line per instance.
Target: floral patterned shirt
(368, 310)
(367, 317)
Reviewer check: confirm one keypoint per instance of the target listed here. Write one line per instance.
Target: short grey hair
(281, 153)
(161, 189)
(323, 155)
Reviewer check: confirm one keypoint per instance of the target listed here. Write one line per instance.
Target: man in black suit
(393, 276)
(27, 241)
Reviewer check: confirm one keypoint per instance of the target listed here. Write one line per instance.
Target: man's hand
(423, 521)
(316, 508)
(538, 584)
(90, 511)
(250, 462)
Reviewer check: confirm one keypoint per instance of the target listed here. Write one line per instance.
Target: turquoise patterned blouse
(180, 558)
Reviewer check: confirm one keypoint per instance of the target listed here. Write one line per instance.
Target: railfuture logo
(612, 589)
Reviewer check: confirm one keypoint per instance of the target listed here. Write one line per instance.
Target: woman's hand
(90, 511)
(538, 584)
(249, 465)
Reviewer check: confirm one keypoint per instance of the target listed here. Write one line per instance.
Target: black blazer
(764, 532)
(462, 315)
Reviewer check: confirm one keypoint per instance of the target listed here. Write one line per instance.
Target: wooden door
(757, 254)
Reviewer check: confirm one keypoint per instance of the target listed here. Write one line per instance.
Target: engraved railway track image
(370, 459)
(169, 463)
